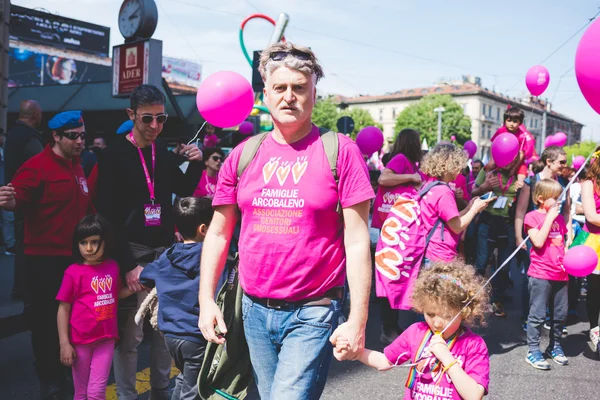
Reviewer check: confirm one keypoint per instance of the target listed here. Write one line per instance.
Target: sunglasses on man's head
(280, 55)
(217, 158)
(148, 118)
(73, 135)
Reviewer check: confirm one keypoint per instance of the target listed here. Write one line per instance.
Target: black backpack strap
(249, 151)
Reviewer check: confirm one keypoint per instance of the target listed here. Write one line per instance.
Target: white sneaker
(595, 338)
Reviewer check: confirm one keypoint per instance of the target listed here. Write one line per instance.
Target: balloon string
(562, 196)
(197, 133)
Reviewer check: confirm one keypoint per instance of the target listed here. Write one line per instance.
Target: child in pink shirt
(438, 207)
(447, 359)
(87, 314)
(547, 277)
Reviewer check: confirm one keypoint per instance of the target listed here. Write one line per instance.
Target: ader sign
(135, 64)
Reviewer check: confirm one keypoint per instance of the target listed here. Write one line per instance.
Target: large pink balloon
(246, 128)
(587, 60)
(560, 139)
(471, 148)
(580, 261)
(550, 141)
(537, 80)
(504, 149)
(225, 99)
(369, 140)
(578, 162)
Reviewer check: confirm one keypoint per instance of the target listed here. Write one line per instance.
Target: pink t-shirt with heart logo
(207, 186)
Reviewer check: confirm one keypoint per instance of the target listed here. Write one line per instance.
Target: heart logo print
(269, 170)
(109, 282)
(298, 170)
(95, 284)
(102, 283)
(282, 174)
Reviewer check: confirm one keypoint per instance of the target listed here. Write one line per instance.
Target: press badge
(152, 214)
(501, 202)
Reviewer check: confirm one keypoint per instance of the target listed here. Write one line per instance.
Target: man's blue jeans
(289, 348)
(484, 249)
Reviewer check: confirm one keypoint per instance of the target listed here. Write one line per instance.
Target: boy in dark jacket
(176, 275)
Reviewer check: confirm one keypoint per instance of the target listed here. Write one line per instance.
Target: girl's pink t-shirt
(460, 183)
(387, 195)
(469, 349)
(292, 238)
(93, 292)
(206, 187)
(547, 261)
(440, 202)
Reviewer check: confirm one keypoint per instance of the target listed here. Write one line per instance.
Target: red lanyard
(149, 181)
(507, 183)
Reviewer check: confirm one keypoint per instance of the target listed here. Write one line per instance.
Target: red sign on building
(135, 64)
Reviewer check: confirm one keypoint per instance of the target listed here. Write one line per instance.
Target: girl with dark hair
(401, 175)
(87, 314)
(213, 159)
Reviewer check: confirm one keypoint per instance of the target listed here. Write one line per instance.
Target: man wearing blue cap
(51, 191)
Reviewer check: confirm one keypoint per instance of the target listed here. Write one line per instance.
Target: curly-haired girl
(449, 359)
(438, 207)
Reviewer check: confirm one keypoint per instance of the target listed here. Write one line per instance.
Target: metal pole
(280, 26)
(4, 47)
(544, 116)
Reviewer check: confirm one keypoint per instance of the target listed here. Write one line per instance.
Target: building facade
(484, 107)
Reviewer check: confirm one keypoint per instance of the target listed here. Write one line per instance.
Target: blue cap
(66, 120)
(125, 127)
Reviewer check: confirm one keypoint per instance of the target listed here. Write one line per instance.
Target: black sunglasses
(280, 55)
(147, 118)
(217, 158)
(73, 135)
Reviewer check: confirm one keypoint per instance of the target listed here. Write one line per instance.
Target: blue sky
(373, 47)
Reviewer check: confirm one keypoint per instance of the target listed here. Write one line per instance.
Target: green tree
(579, 149)
(362, 119)
(325, 113)
(420, 116)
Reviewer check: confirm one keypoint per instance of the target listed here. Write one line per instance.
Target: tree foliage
(326, 114)
(579, 149)
(420, 116)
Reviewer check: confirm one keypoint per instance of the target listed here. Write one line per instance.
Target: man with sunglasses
(302, 232)
(51, 191)
(208, 182)
(137, 177)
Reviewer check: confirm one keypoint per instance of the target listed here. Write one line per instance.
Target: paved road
(511, 377)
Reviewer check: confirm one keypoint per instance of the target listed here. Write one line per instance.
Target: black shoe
(10, 251)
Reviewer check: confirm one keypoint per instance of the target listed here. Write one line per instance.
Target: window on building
(484, 108)
(464, 107)
(380, 114)
(535, 123)
(489, 132)
(497, 113)
(482, 135)
(394, 110)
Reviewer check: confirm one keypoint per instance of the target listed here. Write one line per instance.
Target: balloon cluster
(558, 139)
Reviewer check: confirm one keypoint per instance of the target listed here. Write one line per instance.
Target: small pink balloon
(580, 261)
(550, 141)
(453, 138)
(587, 60)
(246, 128)
(225, 99)
(369, 140)
(578, 162)
(471, 148)
(537, 80)
(560, 139)
(504, 149)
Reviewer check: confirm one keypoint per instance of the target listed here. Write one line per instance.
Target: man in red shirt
(51, 191)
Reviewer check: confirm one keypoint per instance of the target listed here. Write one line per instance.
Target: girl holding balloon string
(446, 357)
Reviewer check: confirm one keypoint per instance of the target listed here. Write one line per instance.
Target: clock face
(130, 17)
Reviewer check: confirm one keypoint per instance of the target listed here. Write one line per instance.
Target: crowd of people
(96, 236)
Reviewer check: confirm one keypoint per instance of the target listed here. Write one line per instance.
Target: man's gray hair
(309, 67)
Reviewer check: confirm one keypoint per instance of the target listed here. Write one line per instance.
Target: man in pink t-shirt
(295, 247)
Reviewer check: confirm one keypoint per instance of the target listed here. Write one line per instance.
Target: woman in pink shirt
(208, 182)
(87, 314)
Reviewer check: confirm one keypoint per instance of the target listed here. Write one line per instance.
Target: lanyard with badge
(502, 200)
(151, 211)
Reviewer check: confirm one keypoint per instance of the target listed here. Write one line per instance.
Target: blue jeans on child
(544, 294)
(289, 348)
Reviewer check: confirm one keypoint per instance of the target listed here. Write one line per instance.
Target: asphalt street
(511, 377)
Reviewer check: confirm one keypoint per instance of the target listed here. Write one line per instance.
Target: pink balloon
(587, 60)
(369, 140)
(580, 261)
(537, 80)
(504, 149)
(225, 99)
(578, 162)
(453, 138)
(211, 141)
(246, 128)
(550, 141)
(560, 139)
(471, 148)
